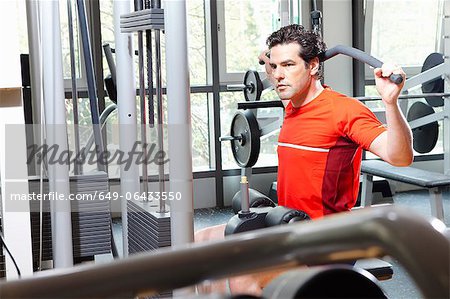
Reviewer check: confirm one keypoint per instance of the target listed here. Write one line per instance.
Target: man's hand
(388, 90)
(264, 57)
(395, 145)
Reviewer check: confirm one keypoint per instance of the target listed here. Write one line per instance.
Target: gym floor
(400, 286)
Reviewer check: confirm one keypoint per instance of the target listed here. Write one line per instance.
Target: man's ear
(314, 65)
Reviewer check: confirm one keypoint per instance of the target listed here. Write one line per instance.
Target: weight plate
(436, 85)
(254, 86)
(426, 136)
(246, 150)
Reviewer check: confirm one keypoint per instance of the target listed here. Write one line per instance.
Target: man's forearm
(399, 136)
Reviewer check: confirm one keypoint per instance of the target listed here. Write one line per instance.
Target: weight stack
(91, 220)
(147, 228)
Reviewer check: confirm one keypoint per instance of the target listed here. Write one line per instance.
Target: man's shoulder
(341, 100)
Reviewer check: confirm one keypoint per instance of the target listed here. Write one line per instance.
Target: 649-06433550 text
(97, 195)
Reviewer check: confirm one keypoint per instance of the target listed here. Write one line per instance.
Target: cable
(10, 255)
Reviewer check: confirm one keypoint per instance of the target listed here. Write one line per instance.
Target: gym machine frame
(366, 233)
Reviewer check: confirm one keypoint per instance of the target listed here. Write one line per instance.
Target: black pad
(409, 175)
(111, 89)
(256, 199)
(282, 215)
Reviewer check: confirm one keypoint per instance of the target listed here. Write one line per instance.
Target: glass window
(196, 41)
(405, 32)
(243, 28)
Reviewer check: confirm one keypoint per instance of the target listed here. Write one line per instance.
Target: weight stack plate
(147, 228)
(91, 228)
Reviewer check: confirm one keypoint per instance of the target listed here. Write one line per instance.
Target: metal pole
(78, 168)
(159, 102)
(55, 114)
(149, 46)
(138, 6)
(179, 122)
(35, 67)
(126, 95)
(446, 74)
(90, 78)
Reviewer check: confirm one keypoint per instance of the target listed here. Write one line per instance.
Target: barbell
(245, 138)
(252, 86)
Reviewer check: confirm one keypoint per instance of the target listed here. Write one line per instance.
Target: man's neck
(313, 91)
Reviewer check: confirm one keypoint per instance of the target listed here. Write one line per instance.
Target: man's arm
(395, 145)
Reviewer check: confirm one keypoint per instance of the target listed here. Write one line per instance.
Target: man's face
(292, 77)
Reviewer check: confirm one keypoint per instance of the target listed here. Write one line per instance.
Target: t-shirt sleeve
(360, 124)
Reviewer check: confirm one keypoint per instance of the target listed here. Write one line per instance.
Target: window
(404, 32)
(243, 27)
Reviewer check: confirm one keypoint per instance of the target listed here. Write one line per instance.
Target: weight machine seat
(434, 181)
(410, 175)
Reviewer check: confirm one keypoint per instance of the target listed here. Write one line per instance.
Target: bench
(435, 182)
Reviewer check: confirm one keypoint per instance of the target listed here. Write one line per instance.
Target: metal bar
(160, 114)
(142, 28)
(426, 76)
(359, 55)
(95, 114)
(110, 61)
(426, 119)
(56, 132)
(270, 128)
(149, 50)
(366, 190)
(126, 93)
(407, 96)
(437, 208)
(365, 233)
(78, 167)
(358, 42)
(214, 79)
(138, 6)
(103, 118)
(261, 104)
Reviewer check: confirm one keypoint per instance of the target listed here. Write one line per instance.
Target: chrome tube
(138, 6)
(78, 166)
(365, 233)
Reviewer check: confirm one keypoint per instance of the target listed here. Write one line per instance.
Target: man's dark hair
(311, 44)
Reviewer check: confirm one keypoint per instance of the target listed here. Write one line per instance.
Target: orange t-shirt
(319, 153)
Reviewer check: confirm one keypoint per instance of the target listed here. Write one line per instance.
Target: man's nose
(278, 73)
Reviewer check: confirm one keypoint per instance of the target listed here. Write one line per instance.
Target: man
(324, 132)
(323, 135)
